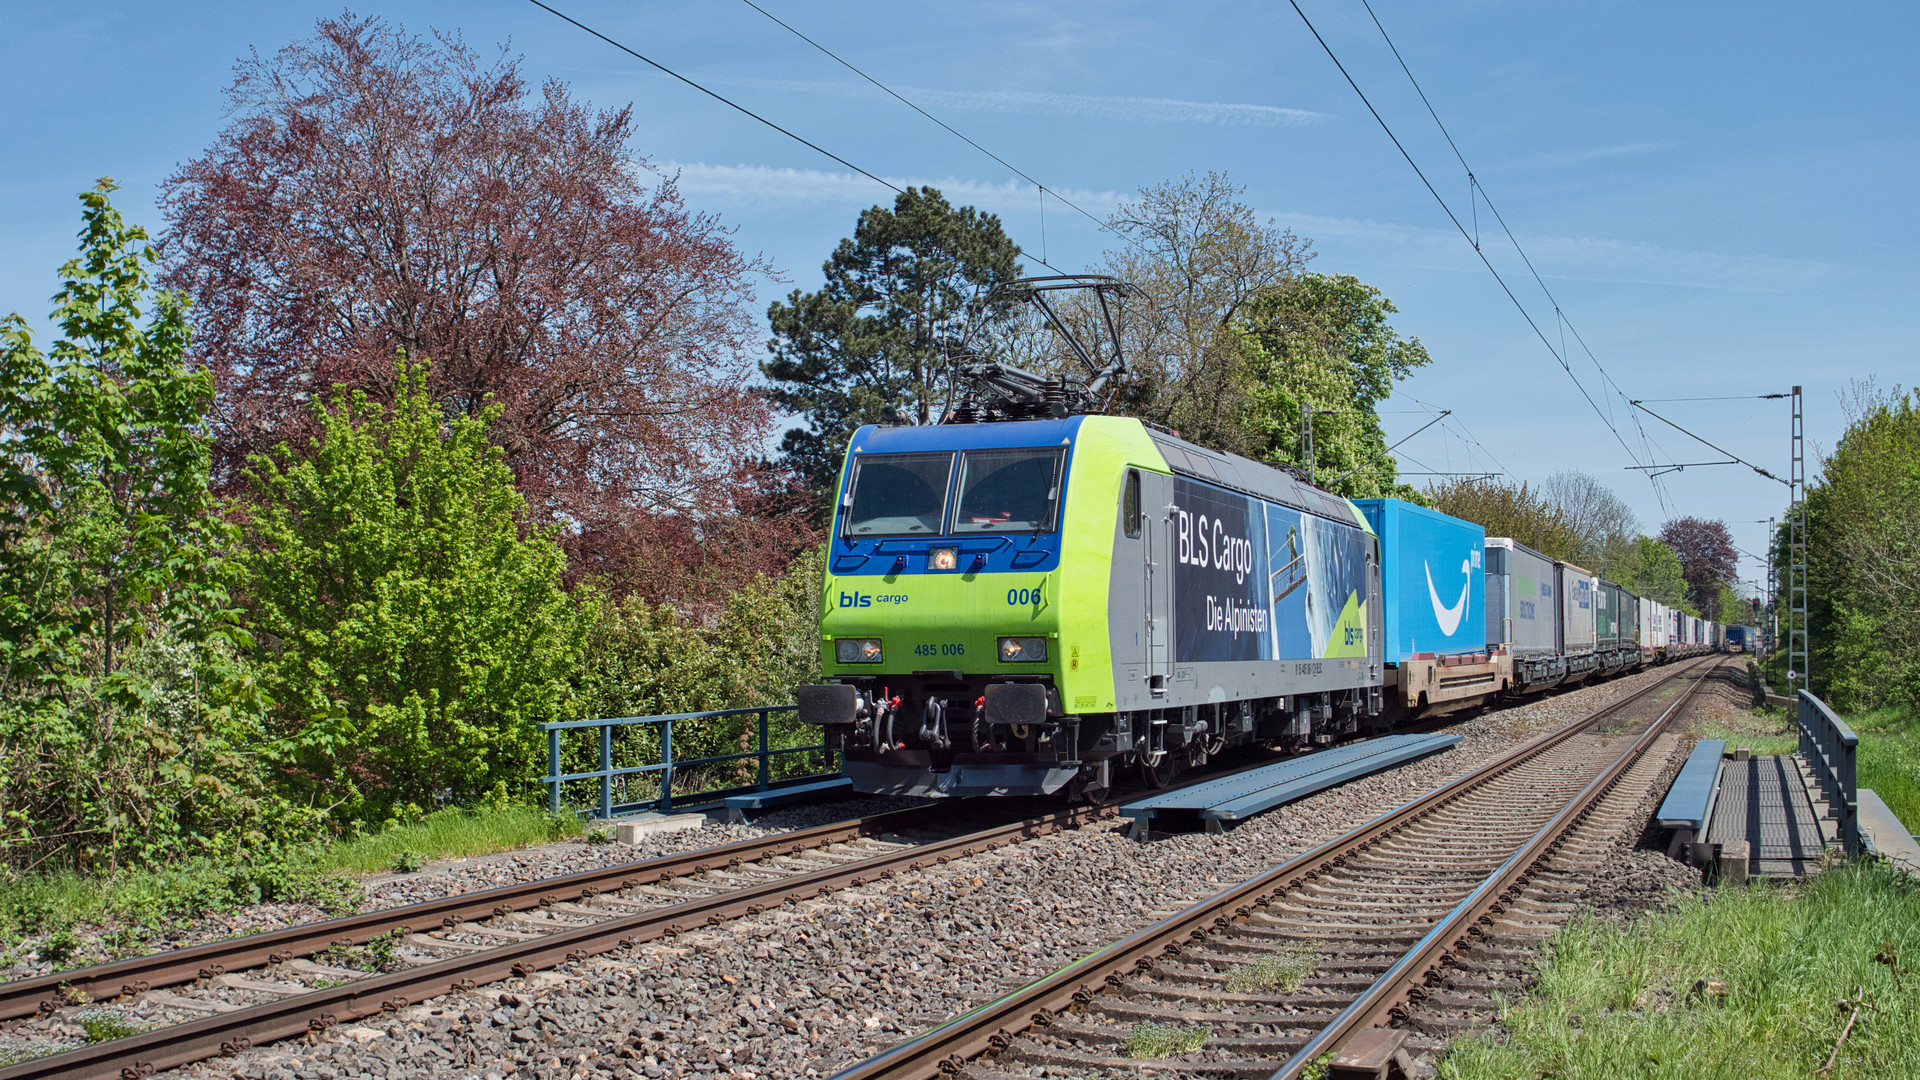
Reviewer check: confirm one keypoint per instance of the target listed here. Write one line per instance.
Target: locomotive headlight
(1023, 650)
(857, 650)
(943, 559)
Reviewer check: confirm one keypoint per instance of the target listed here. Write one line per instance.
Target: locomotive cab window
(1130, 503)
(1007, 491)
(897, 494)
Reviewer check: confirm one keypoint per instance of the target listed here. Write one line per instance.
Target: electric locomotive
(1021, 607)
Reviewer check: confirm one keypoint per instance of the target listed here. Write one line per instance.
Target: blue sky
(1720, 196)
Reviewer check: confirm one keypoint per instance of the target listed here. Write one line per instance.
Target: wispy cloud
(761, 186)
(1137, 110)
(1576, 258)
(1602, 153)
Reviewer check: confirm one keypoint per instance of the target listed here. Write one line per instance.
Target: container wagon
(1433, 587)
(1576, 588)
(1523, 614)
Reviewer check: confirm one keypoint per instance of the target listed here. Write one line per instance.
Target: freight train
(1020, 600)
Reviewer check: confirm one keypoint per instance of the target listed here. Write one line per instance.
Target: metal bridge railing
(1828, 745)
(668, 765)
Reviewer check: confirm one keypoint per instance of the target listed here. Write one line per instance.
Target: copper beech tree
(377, 193)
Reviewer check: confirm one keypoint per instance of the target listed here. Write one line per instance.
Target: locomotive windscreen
(1008, 491)
(897, 494)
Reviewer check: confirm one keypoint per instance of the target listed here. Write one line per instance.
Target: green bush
(647, 660)
(410, 624)
(130, 727)
(1863, 556)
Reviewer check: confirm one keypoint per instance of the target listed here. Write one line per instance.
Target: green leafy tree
(1652, 569)
(128, 730)
(1516, 511)
(903, 298)
(411, 625)
(1324, 344)
(1863, 556)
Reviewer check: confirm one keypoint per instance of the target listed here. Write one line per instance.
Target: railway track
(227, 996)
(253, 990)
(247, 991)
(1270, 977)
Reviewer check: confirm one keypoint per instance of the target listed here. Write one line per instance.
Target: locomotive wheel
(1158, 776)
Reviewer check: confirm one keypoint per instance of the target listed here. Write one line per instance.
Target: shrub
(410, 625)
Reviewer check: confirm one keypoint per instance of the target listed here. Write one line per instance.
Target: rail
(1829, 745)
(668, 765)
(990, 1028)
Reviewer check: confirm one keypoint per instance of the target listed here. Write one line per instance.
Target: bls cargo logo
(860, 599)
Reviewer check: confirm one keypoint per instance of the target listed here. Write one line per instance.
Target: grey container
(1576, 588)
(1521, 611)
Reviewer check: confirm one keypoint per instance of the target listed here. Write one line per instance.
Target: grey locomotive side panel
(1236, 598)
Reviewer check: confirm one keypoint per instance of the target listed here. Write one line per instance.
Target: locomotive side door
(1157, 530)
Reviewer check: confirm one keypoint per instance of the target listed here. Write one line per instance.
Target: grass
(1284, 971)
(1888, 760)
(141, 904)
(1149, 1040)
(1739, 984)
(449, 834)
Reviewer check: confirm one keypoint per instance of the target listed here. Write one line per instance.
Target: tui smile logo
(1449, 617)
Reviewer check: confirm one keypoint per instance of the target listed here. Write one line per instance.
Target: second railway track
(1363, 924)
(261, 988)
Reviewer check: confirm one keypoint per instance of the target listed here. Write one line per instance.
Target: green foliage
(1286, 970)
(411, 627)
(129, 729)
(1511, 510)
(1324, 343)
(1641, 1002)
(1652, 569)
(1150, 1040)
(648, 660)
(902, 298)
(1863, 557)
(1888, 759)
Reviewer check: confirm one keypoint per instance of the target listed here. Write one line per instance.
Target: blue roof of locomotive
(873, 439)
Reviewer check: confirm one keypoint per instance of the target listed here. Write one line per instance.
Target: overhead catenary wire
(1475, 188)
(717, 97)
(1451, 216)
(1477, 191)
(1720, 449)
(950, 129)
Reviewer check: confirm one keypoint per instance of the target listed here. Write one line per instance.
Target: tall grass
(1888, 760)
(1741, 984)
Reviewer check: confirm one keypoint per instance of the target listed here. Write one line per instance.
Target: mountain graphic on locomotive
(1025, 598)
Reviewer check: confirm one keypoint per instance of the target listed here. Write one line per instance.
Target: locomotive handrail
(668, 765)
(1829, 745)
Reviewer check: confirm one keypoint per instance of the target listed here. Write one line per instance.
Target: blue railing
(1828, 745)
(668, 765)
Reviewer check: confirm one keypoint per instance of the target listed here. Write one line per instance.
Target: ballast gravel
(807, 989)
(435, 880)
